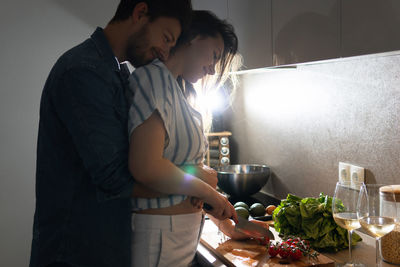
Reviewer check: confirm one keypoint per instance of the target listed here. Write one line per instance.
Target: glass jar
(390, 243)
(224, 151)
(224, 141)
(224, 161)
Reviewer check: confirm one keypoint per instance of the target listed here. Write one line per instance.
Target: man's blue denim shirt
(83, 185)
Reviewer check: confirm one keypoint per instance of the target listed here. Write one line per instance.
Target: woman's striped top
(153, 87)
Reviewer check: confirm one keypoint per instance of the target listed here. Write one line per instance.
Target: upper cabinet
(281, 32)
(252, 23)
(219, 7)
(306, 30)
(370, 26)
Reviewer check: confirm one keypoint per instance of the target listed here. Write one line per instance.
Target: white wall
(33, 35)
(302, 122)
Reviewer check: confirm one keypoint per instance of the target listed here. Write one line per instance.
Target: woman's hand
(227, 226)
(221, 207)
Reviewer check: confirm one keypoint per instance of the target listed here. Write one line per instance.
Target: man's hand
(206, 174)
(196, 202)
(227, 226)
(203, 172)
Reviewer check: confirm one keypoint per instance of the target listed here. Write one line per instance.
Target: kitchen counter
(204, 256)
(364, 252)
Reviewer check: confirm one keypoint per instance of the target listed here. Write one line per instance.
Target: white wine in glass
(376, 217)
(378, 226)
(347, 220)
(344, 211)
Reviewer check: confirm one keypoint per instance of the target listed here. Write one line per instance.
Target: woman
(166, 136)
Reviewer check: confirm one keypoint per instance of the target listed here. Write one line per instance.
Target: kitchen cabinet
(251, 20)
(370, 26)
(219, 7)
(304, 31)
(281, 32)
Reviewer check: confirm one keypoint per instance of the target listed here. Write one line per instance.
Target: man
(83, 185)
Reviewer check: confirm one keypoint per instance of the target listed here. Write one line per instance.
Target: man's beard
(138, 46)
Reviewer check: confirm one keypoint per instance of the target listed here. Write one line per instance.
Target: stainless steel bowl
(242, 179)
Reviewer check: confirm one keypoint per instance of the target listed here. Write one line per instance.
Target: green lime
(241, 204)
(257, 209)
(242, 212)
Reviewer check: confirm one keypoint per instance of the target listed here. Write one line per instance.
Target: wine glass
(344, 210)
(376, 215)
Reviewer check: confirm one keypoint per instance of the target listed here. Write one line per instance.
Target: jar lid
(387, 190)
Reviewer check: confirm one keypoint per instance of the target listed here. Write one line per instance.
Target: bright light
(285, 95)
(210, 100)
(213, 101)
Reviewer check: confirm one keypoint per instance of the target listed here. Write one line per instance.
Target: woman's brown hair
(207, 24)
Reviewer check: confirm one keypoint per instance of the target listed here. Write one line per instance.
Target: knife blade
(252, 229)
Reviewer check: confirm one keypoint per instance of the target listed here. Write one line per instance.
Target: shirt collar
(104, 48)
(119, 65)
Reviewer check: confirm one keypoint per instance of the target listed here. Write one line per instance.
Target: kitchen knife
(252, 229)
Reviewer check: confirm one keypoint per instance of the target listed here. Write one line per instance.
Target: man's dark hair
(179, 9)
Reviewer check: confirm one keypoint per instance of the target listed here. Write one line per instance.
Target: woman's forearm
(142, 191)
(163, 176)
(201, 171)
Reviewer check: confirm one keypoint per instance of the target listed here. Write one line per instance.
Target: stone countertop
(364, 252)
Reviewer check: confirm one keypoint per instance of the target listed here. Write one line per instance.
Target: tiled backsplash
(302, 122)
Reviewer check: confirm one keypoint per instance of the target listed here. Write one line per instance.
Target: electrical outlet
(357, 174)
(344, 172)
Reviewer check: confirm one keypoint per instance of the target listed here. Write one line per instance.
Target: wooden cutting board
(248, 252)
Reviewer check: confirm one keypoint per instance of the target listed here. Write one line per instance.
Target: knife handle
(207, 207)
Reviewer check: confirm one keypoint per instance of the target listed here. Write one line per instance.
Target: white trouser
(165, 240)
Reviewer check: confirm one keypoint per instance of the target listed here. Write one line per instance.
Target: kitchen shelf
(218, 153)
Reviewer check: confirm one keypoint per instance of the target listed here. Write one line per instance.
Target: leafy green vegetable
(311, 219)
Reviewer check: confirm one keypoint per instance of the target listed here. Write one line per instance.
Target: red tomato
(286, 243)
(273, 250)
(295, 253)
(296, 242)
(284, 250)
(290, 241)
